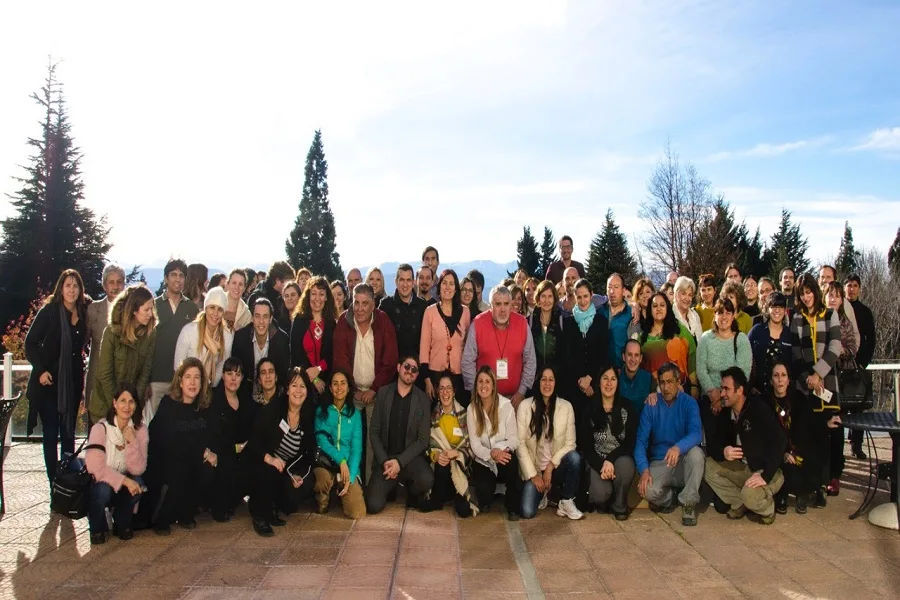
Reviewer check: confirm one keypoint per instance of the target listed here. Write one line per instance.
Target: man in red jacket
(365, 345)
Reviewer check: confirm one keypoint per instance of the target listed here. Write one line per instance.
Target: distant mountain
(493, 272)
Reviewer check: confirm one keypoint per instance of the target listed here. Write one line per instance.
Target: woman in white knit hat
(207, 338)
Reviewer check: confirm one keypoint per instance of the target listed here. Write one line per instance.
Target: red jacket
(385, 346)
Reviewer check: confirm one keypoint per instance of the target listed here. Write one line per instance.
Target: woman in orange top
(444, 327)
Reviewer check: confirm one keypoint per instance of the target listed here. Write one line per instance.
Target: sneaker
(802, 500)
(735, 513)
(689, 515)
(543, 503)
(767, 520)
(568, 509)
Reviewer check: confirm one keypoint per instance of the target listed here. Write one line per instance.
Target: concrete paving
(410, 555)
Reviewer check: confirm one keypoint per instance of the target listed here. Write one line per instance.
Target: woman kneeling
(116, 456)
(547, 453)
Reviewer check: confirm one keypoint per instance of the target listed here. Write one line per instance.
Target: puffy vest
(508, 344)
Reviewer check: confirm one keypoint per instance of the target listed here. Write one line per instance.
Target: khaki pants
(352, 502)
(727, 480)
(367, 409)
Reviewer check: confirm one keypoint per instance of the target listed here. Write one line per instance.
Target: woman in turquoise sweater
(721, 347)
(339, 437)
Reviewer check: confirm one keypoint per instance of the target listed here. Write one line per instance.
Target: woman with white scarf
(588, 349)
(116, 456)
(207, 338)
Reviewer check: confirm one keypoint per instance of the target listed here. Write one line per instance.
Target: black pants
(417, 476)
(54, 432)
(799, 480)
(175, 494)
(271, 490)
(485, 483)
(219, 488)
(715, 428)
(836, 447)
(443, 491)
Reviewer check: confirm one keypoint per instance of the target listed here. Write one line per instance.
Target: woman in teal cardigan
(339, 436)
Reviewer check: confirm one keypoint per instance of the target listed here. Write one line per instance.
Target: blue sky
(456, 128)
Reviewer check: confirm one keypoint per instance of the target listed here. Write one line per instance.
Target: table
(869, 422)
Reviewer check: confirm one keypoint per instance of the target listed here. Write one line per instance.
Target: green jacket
(120, 362)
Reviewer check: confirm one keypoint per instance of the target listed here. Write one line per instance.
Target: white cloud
(885, 139)
(766, 150)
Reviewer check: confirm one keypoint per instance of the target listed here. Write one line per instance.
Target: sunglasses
(411, 368)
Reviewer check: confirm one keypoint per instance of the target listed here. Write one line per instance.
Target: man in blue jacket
(667, 452)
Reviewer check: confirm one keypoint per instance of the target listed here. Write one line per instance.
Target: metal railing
(9, 368)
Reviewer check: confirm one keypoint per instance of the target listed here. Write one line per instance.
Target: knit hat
(216, 297)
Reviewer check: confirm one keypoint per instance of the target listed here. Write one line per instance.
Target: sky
(457, 127)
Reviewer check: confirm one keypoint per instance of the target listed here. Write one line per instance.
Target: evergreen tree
(51, 230)
(715, 246)
(894, 253)
(847, 260)
(548, 254)
(312, 241)
(527, 252)
(609, 253)
(751, 253)
(787, 248)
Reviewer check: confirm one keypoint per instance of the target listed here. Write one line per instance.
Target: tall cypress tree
(527, 252)
(848, 258)
(787, 248)
(51, 229)
(311, 243)
(548, 254)
(894, 253)
(609, 253)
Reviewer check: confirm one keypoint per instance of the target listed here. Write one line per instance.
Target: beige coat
(97, 320)
(562, 443)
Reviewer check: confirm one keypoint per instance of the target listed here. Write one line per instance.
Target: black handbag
(855, 386)
(72, 485)
(324, 461)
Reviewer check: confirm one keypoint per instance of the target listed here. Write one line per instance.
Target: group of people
(301, 389)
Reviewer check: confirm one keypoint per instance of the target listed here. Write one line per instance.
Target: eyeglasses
(410, 368)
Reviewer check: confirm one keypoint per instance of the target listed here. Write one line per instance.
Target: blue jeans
(123, 503)
(566, 475)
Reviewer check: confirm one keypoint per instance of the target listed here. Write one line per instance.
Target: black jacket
(299, 357)
(762, 438)
(795, 414)
(418, 430)
(407, 320)
(623, 428)
(866, 324)
(178, 438)
(225, 426)
(267, 434)
(560, 328)
(279, 352)
(588, 353)
(265, 290)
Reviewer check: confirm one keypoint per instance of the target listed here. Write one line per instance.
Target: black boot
(781, 504)
(276, 520)
(802, 500)
(821, 501)
(262, 528)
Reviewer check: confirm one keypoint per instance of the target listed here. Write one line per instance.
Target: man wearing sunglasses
(399, 434)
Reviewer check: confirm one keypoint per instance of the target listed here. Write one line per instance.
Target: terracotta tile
(595, 524)
(727, 555)
(753, 572)
(643, 594)
(295, 579)
(368, 556)
(622, 580)
(573, 596)
(379, 523)
(283, 594)
(373, 538)
(487, 559)
(233, 575)
(426, 577)
(592, 541)
(375, 577)
(675, 558)
(617, 560)
(320, 538)
(869, 569)
(211, 538)
(789, 550)
(489, 581)
(216, 593)
(429, 528)
(249, 555)
(560, 581)
(298, 555)
(495, 543)
(425, 540)
(426, 593)
(47, 572)
(698, 576)
(707, 593)
(281, 539)
(768, 591)
(355, 594)
(157, 592)
(479, 526)
(558, 543)
(168, 574)
(327, 523)
(569, 560)
(415, 557)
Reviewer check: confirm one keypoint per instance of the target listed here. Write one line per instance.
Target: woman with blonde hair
(290, 295)
(375, 279)
(126, 352)
(207, 338)
(493, 435)
(640, 295)
(237, 314)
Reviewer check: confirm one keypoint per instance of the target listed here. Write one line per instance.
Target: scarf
(212, 345)
(115, 445)
(65, 385)
(584, 318)
(458, 466)
(451, 322)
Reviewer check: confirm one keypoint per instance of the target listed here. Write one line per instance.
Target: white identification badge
(502, 369)
(284, 426)
(457, 432)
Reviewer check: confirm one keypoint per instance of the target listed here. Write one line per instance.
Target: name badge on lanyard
(502, 369)
(284, 426)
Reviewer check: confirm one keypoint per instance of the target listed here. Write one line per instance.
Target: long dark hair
(670, 323)
(450, 273)
(57, 296)
(599, 418)
(473, 306)
(327, 399)
(544, 407)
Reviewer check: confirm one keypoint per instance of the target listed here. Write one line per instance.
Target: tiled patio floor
(409, 555)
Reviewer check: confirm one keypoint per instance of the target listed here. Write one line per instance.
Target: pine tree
(548, 254)
(715, 245)
(51, 229)
(312, 241)
(609, 253)
(894, 253)
(787, 248)
(527, 252)
(751, 253)
(847, 260)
